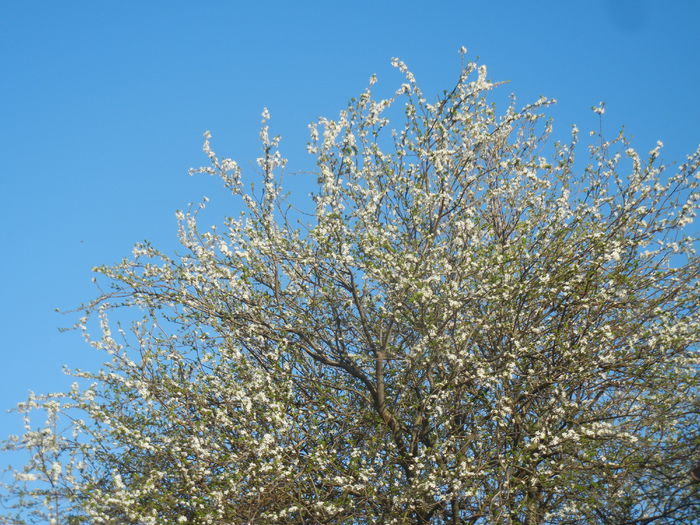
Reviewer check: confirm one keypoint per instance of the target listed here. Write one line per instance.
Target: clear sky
(103, 104)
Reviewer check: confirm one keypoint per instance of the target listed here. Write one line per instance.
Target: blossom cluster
(474, 327)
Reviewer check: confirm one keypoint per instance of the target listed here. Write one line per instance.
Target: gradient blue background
(102, 107)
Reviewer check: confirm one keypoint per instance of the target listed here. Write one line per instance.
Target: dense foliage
(472, 327)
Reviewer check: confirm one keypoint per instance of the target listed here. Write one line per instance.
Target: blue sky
(103, 105)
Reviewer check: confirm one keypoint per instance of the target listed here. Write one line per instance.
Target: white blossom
(466, 329)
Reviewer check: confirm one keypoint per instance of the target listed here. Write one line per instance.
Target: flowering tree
(472, 328)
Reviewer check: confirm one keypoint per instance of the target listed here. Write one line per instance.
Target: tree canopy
(472, 326)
